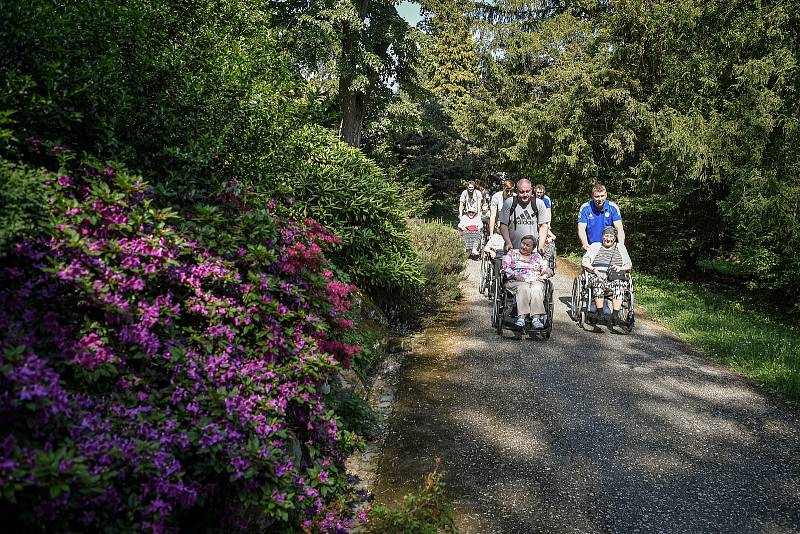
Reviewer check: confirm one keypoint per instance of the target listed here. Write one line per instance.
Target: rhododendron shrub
(150, 383)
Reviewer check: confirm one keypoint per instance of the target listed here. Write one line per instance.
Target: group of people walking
(517, 219)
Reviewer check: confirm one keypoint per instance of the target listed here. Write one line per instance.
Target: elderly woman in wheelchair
(526, 271)
(608, 265)
(470, 228)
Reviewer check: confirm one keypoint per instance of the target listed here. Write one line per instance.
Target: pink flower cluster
(160, 376)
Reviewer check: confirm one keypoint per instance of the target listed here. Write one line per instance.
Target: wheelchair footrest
(605, 319)
(512, 325)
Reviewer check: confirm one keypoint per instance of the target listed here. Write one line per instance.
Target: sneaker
(615, 318)
(591, 317)
(474, 251)
(537, 323)
(520, 321)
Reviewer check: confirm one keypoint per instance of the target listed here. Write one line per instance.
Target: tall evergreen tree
(687, 110)
(451, 62)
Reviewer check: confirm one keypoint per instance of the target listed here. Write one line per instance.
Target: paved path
(639, 434)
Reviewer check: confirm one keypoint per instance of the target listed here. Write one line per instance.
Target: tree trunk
(352, 103)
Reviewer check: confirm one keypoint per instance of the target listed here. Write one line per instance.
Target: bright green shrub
(441, 253)
(346, 192)
(189, 94)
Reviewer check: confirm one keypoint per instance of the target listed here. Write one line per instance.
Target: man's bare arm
(542, 236)
(620, 232)
(492, 218)
(582, 235)
(506, 238)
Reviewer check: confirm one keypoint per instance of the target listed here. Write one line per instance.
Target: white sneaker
(536, 323)
(520, 321)
(474, 251)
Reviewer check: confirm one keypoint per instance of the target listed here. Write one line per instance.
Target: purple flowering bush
(148, 382)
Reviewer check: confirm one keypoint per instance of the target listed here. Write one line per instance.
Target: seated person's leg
(598, 292)
(522, 293)
(537, 304)
(618, 288)
(608, 293)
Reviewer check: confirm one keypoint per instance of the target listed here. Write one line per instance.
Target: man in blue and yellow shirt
(596, 215)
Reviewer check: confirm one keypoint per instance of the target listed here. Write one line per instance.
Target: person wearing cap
(471, 198)
(526, 270)
(606, 261)
(595, 215)
(470, 222)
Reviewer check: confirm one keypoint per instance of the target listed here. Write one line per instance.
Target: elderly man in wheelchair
(608, 266)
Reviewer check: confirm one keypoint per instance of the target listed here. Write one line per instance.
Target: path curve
(588, 432)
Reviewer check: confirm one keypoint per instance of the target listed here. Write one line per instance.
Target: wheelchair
(472, 241)
(583, 304)
(490, 270)
(504, 310)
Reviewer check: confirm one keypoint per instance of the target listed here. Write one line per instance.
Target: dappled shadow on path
(589, 432)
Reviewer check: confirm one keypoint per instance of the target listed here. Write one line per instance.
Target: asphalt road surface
(588, 431)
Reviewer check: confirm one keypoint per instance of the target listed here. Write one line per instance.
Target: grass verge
(753, 342)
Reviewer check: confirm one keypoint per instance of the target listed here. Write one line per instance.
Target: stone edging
(381, 390)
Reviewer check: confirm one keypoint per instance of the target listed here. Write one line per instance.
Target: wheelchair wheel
(628, 310)
(483, 284)
(576, 304)
(495, 272)
(487, 276)
(497, 310)
(501, 305)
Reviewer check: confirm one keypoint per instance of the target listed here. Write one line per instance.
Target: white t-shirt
(471, 204)
(466, 221)
(496, 204)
